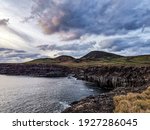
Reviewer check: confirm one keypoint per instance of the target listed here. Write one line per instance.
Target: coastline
(119, 80)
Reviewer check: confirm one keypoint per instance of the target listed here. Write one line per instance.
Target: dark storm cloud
(4, 22)
(67, 47)
(81, 17)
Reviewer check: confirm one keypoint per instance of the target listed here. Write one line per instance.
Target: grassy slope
(138, 60)
(133, 102)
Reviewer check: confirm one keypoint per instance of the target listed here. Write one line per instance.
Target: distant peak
(99, 54)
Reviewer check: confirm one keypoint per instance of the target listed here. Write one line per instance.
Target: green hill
(56, 60)
(95, 58)
(98, 55)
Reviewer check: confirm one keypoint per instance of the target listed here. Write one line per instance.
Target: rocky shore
(102, 103)
(117, 79)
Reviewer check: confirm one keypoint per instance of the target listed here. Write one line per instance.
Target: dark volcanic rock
(102, 103)
(119, 79)
(93, 104)
(111, 77)
(39, 70)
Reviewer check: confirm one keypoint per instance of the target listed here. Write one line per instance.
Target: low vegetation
(95, 58)
(133, 102)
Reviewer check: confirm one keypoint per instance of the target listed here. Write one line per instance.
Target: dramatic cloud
(80, 17)
(123, 46)
(72, 27)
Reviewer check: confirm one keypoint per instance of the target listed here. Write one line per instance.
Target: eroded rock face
(117, 79)
(120, 80)
(111, 77)
(39, 70)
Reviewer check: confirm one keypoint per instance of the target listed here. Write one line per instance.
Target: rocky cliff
(118, 79)
(39, 70)
(111, 77)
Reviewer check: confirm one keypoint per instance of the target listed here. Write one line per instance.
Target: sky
(32, 29)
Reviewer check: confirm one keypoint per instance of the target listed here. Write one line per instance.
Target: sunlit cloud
(48, 28)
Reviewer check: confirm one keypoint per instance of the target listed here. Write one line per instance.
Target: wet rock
(103, 103)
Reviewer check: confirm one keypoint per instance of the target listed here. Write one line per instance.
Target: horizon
(36, 29)
(76, 58)
(90, 52)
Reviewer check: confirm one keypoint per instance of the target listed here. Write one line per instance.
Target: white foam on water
(63, 106)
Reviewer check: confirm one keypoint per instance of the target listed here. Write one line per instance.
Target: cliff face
(39, 70)
(120, 80)
(111, 77)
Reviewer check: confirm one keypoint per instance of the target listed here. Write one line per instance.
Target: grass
(133, 61)
(133, 102)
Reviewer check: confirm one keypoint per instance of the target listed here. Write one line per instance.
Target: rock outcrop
(39, 70)
(118, 79)
(111, 77)
(102, 103)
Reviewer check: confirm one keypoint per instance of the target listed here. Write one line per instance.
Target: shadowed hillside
(98, 55)
(56, 60)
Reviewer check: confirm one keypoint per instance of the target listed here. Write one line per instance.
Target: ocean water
(20, 94)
